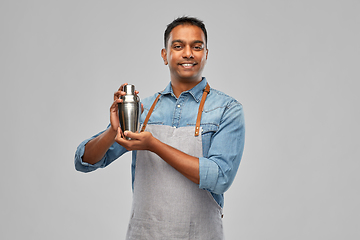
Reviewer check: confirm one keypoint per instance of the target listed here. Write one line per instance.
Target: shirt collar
(196, 91)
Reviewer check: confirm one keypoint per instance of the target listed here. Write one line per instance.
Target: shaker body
(129, 110)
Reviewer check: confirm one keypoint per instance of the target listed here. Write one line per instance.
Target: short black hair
(183, 21)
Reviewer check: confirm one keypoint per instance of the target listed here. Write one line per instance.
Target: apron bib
(167, 205)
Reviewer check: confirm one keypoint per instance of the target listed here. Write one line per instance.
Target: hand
(139, 141)
(114, 112)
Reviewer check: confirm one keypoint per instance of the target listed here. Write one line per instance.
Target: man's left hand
(139, 141)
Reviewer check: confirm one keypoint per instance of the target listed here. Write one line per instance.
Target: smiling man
(189, 149)
(186, 54)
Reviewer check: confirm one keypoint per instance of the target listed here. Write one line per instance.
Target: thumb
(130, 134)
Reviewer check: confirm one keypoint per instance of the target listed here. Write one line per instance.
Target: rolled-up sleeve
(114, 152)
(217, 170)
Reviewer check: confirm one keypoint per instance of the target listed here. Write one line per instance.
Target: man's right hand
(96, 148)
(114, 114)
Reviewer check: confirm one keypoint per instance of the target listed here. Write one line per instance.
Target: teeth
(187, 64)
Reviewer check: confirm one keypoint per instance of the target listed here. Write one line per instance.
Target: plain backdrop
(294, 65)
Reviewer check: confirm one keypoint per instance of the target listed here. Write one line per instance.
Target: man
(189, 153)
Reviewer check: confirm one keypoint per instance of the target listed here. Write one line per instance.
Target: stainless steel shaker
(129, 110)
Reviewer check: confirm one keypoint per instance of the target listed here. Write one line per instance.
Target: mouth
(188, 65)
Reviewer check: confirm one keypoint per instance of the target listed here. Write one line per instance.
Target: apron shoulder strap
(201, 107)
(149, 113)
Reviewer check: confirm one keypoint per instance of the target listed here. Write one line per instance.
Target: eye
(177, 47)
(198, 48)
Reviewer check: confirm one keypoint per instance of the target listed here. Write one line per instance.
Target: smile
(188, 64)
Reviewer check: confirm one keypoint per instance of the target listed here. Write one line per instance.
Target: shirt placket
(178, 110)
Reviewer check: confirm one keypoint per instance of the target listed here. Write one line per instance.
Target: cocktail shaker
(129, 110)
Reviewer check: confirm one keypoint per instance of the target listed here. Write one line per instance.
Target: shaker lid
(129, 89)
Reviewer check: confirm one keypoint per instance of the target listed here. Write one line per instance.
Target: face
(186, 53)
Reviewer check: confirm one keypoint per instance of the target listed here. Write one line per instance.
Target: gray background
(293, 64)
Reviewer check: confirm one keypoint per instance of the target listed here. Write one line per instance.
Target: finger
(122, 87)
(118, 94)
(142, 108)
(117, 100)
(114, 105)
(120, 135)
(132, 135)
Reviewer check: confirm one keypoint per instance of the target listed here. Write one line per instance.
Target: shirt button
(178, 106)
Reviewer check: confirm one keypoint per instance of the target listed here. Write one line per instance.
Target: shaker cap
(129, 89)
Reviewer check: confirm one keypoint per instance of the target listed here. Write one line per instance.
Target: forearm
(182, 162)
(96, 148)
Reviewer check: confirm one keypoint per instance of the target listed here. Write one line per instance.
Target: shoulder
(148, 101)
(218, 99)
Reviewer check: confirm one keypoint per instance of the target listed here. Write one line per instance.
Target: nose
(187, 53)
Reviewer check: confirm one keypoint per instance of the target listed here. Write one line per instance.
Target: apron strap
(201, 107)
(150, 112)
(198, 119)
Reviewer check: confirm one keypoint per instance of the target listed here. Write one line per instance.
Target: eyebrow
(180, 41)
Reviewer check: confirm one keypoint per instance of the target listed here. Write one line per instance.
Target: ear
(164, 56)
(207, 52)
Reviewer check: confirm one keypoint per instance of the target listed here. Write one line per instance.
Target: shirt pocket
(207, 131)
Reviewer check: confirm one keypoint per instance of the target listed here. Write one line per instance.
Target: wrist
(112, 132)
(153, 144)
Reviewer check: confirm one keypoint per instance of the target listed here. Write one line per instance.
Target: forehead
(186, 33)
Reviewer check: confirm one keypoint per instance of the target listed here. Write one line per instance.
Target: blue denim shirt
(223, 135)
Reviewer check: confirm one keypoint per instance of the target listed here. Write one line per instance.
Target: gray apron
(167, 205)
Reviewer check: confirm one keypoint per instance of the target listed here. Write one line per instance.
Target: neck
(179, 87)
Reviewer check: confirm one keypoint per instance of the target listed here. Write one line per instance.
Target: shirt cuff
(209, 174)
(84, 166)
